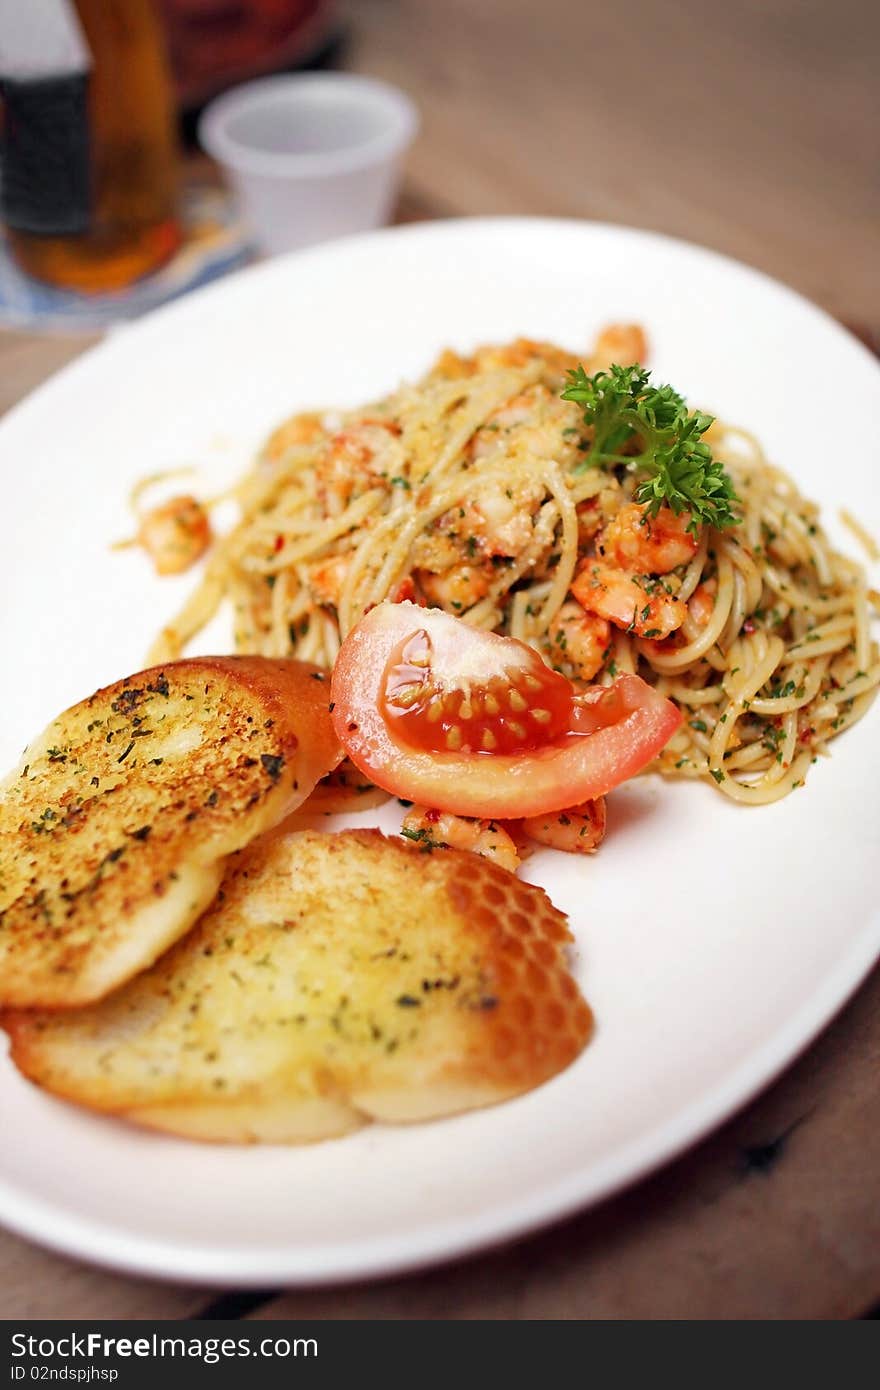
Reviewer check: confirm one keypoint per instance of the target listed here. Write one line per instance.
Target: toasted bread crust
(336, 978)
(115, 827)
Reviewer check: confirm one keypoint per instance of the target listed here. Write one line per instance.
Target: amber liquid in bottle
(133, 159)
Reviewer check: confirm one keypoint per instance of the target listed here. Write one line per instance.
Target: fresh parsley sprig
(624, 408)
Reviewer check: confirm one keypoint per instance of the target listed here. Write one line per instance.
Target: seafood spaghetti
(480, 490)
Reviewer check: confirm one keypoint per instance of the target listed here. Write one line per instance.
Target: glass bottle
(89, 157)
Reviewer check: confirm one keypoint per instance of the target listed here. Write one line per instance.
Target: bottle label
(45, 173)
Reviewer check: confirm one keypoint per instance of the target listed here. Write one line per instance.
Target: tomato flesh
(400, 658)
(520, 709)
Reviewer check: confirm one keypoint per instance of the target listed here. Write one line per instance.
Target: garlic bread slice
(335, 979)
(116, 825)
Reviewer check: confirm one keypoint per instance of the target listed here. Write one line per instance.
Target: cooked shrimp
(521, 353)
(590, 521)
(326, 578)
(533, 419)
(494, 522)
(307, 428)
(437, 549)
(501, 523)
(175, 534)
(443, 575)
(579, 639)
(637, 603)
(702, 602)
(456, 588)
(579, 830)
(648, 545)
(519, 410)
(620, 343)
(366, 454)
(438, 828)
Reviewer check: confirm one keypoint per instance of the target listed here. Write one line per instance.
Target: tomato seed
(490, 717)
(406, 696)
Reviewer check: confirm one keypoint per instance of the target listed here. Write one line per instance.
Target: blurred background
(751, 127)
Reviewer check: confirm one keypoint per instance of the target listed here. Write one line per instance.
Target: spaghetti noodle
(473, 490)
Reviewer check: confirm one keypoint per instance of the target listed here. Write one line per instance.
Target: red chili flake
(749, 626)
(279, 544)
(432, 817)
(806, 735)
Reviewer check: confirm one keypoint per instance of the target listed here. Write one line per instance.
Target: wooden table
(752, 128)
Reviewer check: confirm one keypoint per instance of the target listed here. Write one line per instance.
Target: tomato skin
(572, 769)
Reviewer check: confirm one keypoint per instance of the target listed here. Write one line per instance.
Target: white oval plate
(713, 941)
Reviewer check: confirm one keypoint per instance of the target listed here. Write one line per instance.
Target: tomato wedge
(438, 712)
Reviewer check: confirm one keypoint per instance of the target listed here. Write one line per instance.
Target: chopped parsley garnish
(772, 738)
(782, 692)
(662, 439)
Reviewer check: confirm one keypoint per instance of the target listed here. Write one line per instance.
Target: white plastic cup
(310, 156)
